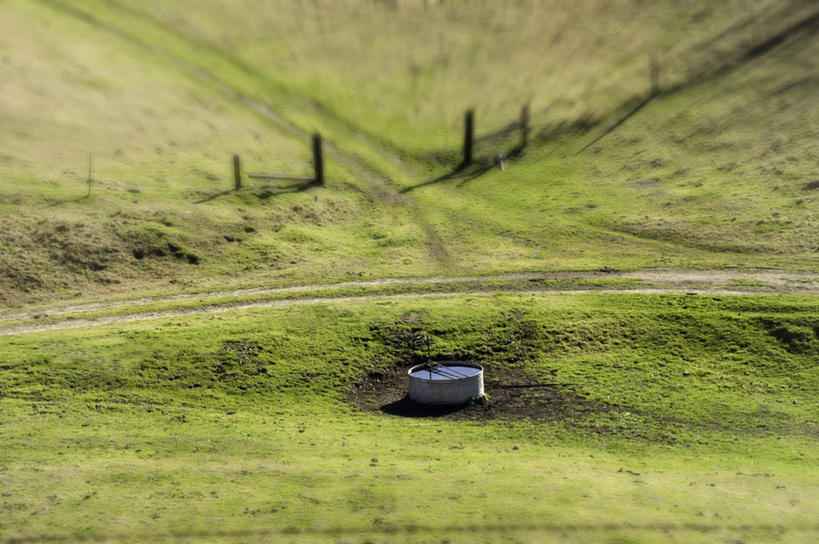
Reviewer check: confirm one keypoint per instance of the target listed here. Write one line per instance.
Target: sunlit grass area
(646, 418)
(234, 369)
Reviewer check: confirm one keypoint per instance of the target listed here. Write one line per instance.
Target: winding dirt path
(715, 282)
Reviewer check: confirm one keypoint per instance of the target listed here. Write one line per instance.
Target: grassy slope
(162, 143)
(689, 419)
(698, 418)
(707, 175)
(405, 73)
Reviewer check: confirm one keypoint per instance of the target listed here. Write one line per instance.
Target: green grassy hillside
(403, 72)
(718, 169)
(156, 384)
(611, 418)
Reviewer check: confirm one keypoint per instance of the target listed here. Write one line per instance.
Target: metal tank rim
(424, 366)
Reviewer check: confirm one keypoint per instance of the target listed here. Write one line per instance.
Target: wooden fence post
(237, 173)
(318, 159)
(469, 137)
(524, 128)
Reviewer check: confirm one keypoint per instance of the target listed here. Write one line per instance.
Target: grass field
(667, 418)
(183, 362)
(716, 170)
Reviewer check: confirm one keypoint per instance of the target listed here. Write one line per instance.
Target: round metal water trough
(448, 382)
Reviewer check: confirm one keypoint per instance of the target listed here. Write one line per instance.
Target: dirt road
(717, 282)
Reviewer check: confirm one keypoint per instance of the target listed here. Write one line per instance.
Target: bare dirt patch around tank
(510, 394)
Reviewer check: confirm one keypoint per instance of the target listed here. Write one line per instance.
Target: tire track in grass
(782, 281)
(724, 282)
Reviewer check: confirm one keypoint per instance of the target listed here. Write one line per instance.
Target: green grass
(696, 421)
(671, 418)
(412, 80)
(205, 302)
(716, 171)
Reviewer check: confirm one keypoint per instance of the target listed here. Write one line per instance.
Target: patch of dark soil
(514, 396)
(504, 349)
(810, 186)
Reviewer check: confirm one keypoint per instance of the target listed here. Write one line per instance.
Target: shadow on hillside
(465, 174)
(405, 407)
(213, 196)
(267, 192)
(68, 201)
(264, 192)
(628, 115)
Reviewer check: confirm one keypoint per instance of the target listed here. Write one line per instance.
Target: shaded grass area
(688, 417)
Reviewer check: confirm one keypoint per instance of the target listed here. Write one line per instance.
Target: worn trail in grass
(723, 282)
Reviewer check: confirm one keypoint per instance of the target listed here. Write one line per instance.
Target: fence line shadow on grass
(213, 196)
(628, 115)
(68, 201)
(465, 174)
(264, 191)
(482, 153)
(268, 191)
